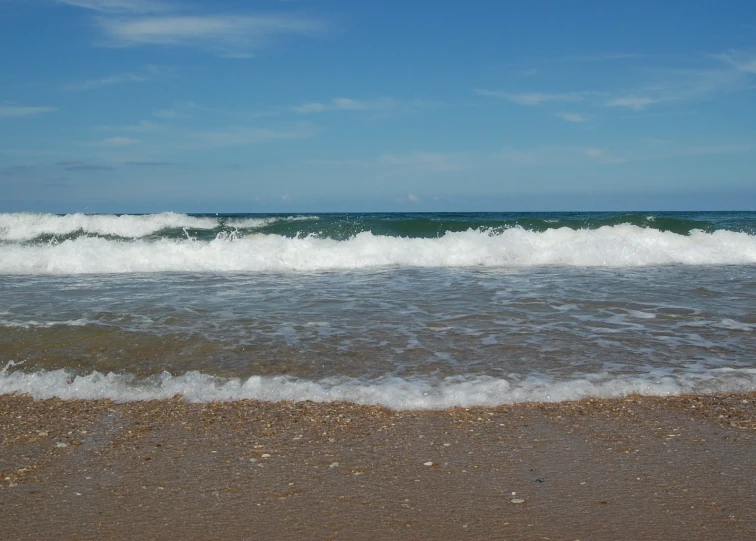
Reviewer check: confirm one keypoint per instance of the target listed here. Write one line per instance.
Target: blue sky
(307, 105)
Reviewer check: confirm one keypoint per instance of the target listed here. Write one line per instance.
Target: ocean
(405, 310)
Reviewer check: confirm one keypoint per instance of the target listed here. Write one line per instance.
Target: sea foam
(392, 392)
(609, 246)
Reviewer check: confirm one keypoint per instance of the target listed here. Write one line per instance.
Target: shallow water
(465, 318)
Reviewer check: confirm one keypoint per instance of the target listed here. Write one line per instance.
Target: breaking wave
(25, 226)
(609, 246)
(392, 392)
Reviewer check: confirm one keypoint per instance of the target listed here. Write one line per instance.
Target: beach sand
(634, 468)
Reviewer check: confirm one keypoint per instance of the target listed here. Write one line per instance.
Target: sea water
(403, 310)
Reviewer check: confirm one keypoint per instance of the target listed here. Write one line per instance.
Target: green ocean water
(341, 226)
(44, 228)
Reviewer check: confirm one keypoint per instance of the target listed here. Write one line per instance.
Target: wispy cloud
(671, 86)
(435, 163)
(703, 150)
(632, 102)
(732, 72)
(143, 126)
(229, 35)
(535, 98)
(345, 104)
(743, 62)
(17, 111)
(426, 162)
(190, 109)
(240, 136)
(602, 155)
(150, 73)
(417, 162)
(572, 117)
(556, 156)
(170, 113)
(120, 6)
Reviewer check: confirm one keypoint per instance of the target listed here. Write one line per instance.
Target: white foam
(736, 325)
(396, 393)
(641, 315)
(609, 246)
(26, 226)
(44, 324)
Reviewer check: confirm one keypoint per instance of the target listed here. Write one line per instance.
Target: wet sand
(634, 468)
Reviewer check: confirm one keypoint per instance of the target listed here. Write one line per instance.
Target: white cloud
(119, 6)
(231, 35)
(345, 104)
(534, 98)
(572, 117)
(412, 198)
(18, 111)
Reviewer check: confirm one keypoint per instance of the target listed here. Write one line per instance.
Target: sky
(360, 105)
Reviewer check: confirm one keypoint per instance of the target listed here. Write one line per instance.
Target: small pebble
(428, 463)
(265, 455)
(334, 465)
(61, 444)
(517, 500)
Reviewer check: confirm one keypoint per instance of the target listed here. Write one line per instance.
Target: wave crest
(609, 246)
(26, 226)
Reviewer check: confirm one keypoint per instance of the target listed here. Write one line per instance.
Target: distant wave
(26, 226)
(252, 223)
(396, 393)
(608, 246)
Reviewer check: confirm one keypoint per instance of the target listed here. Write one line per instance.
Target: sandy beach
(633, 468)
